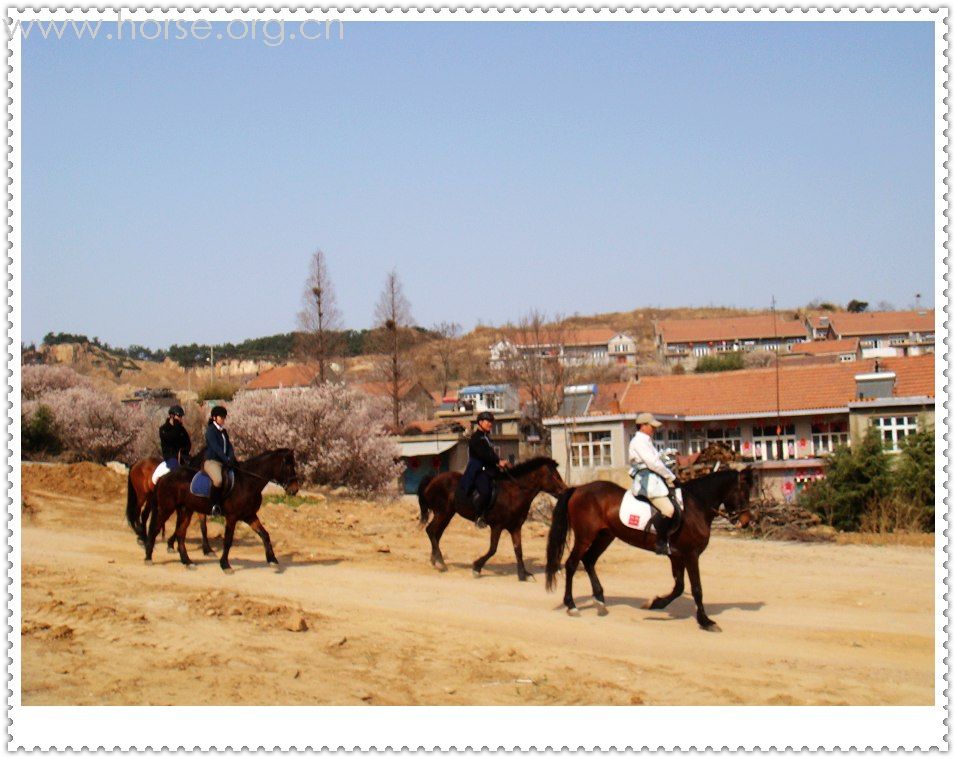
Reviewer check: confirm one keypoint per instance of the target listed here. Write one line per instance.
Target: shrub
(338, 435)
(854, 479)
(91, 424)
(723, 362)
(915, 473)
(37, 379)
(892, 514)
(217, 391)
(38, 431)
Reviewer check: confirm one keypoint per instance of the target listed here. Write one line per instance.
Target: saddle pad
(635, 513)
(201, 484)
(160, 471)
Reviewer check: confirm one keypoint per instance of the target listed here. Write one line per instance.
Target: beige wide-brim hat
(646, 418)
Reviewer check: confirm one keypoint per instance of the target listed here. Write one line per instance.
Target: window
(669, 437)
(700, 439)
(591, 449)
(827, 436)
(847, 357)
(893, 429)
(769, 446)
(701, 350)
(867, 343)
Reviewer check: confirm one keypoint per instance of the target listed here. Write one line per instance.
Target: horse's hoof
(648, 604)
(227, 570)
(711, 627)
(440, 567)
(140, 542)
(209, 553)
(574, 612)
(476, 573)
(148, 562)
(190, 565)
(601, 609)
(170, 549)
(528, 578)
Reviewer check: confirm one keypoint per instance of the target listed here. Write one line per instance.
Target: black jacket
(174, 441)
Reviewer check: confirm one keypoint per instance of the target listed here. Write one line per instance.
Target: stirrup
(216, 510)
(480, 522)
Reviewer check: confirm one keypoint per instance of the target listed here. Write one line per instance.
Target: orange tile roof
(754, 390)
(883, 322)
(292, 375)
(824, 347)
(608, 398)
(728, 328)
(591, 336)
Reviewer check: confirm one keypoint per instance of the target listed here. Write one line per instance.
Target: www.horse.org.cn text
(270, 32)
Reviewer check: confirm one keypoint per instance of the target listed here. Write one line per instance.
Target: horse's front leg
(693, 572)
(480, 561)
(206, 548)
(523, 574)
(677, 569)
(261, 531)
(159, 513)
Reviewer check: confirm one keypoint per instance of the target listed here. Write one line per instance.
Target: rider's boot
(481, 505)
(215, 497)
(662, 526)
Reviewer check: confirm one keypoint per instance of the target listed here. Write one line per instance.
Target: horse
(241, 503)
(592, 512)
(139, 485)
(517, 488)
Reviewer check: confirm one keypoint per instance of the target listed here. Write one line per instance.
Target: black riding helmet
(485, 416)
(176, 411)
(218, 411)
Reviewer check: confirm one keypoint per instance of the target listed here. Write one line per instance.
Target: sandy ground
(801, 623)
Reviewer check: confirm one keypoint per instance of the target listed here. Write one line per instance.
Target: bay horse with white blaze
(592, 511)
(517, 488)
(240, 504)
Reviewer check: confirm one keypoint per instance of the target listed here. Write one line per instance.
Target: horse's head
(737, 495)
(541, 473)
(286, 475)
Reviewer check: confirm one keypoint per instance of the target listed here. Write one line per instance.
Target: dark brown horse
(592, 512)
(139, 485)
(241, 504)
(517, 488)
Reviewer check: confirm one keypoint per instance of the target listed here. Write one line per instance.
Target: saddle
(201, 484)
(636, 512)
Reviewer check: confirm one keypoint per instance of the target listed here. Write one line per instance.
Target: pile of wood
(699, 464)
(785, 521)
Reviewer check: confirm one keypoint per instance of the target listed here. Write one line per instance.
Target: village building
(885, 333)
(597, 346)
(785, 420)
(680, 340)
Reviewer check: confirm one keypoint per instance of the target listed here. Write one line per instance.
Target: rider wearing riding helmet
(173, 439)
(219, 454)
(483, 461)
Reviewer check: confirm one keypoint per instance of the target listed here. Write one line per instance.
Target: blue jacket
(218, 447)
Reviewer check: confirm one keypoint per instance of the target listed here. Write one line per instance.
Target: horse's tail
(557, 537)
(421, 499)
(132, 508)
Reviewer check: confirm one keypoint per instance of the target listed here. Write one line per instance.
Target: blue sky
(173, 192)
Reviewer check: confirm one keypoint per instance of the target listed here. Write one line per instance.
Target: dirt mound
(84, 480)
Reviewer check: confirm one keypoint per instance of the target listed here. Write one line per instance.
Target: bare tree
(393, 316)
(320, 317)
(444, 346)
(534, 360)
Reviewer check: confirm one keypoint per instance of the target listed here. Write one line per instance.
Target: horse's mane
(528, 466)
(709, 480)
(261, 456)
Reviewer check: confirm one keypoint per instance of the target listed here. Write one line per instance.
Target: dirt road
(802, 623)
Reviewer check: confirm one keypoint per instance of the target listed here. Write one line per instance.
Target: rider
(653, 479)
(482, 462)
(173, 439)
(219, 454)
